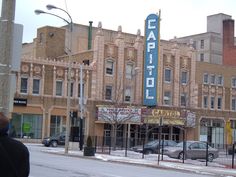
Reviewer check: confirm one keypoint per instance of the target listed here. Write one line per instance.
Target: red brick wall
(229, 50)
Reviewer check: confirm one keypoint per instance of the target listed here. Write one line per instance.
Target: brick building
(229, 48)
(188, 89)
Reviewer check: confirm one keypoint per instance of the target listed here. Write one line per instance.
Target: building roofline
(219, 14)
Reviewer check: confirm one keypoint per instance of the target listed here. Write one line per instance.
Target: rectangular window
(127, 94)
(183, 99)
(233, 104)
(59, 88)
(55, 125)
(167, 75)
(167, 98)
(71, 89)
(233, 124)
(219, 103)
(202, 57)
(234, 82)
(212, 102)
(194, 44)
(184, 77)
(202, 44)
(27, 126)
(24, 85)
(220, 80)
(129, 70)
(213, 79)
(36, 86)
(79, 90)
(205, 78)
(205, 101)
(41, 38)
(108, 93)
(109, 67)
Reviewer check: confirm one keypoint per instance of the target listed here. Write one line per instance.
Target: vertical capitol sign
(151, 60)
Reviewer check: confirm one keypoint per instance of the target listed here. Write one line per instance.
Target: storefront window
(56, 125)
(26, 126)
(212, 130)
(233, 126)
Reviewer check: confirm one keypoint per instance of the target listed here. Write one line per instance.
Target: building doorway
(212, 130)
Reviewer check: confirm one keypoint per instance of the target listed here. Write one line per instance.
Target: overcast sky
(179, 17)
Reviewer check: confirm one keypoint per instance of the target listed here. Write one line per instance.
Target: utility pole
(6, 39)
(81, 101)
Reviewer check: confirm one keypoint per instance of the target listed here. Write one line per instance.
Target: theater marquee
(163, 117)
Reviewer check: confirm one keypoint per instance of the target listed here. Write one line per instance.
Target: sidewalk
(151, 160)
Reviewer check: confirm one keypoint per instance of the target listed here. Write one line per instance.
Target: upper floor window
(36, 86)
(41, 36)
(167, 75)
(109, 67)
(205, 101)
(201, 56)
(167, 98)
(205, 78)
(233, 124)
(194, 44)
(184, 77)
(213, 79)
(79, 89)
(219, 80)
(59, 85)
(183, 99)
(24, 85)
(234, 82)
(233, 104)
(71, 89)
(219, 103)
(212, 102)
(129, 70)
(108, 93)
(127, 95)
(202, 44)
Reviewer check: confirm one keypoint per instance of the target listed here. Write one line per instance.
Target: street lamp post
(70, 24)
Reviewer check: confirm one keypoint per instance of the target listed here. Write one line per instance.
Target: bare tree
(118, 114)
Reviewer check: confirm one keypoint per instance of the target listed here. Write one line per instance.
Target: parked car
(152, 146)
(194, 150)
(55, 140)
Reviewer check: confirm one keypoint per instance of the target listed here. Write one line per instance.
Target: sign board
(121, 115)
(191, 119)
(166, 117)
(20, 102)
(151, 60)
(16, 47)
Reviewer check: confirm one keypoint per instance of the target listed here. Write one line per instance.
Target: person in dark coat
(14, 155)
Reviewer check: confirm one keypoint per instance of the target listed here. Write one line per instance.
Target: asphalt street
(53, 165)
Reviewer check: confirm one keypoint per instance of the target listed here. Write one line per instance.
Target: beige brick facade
(49, 64)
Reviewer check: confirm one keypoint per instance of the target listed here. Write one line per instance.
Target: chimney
(228, 33)
(90, 35)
